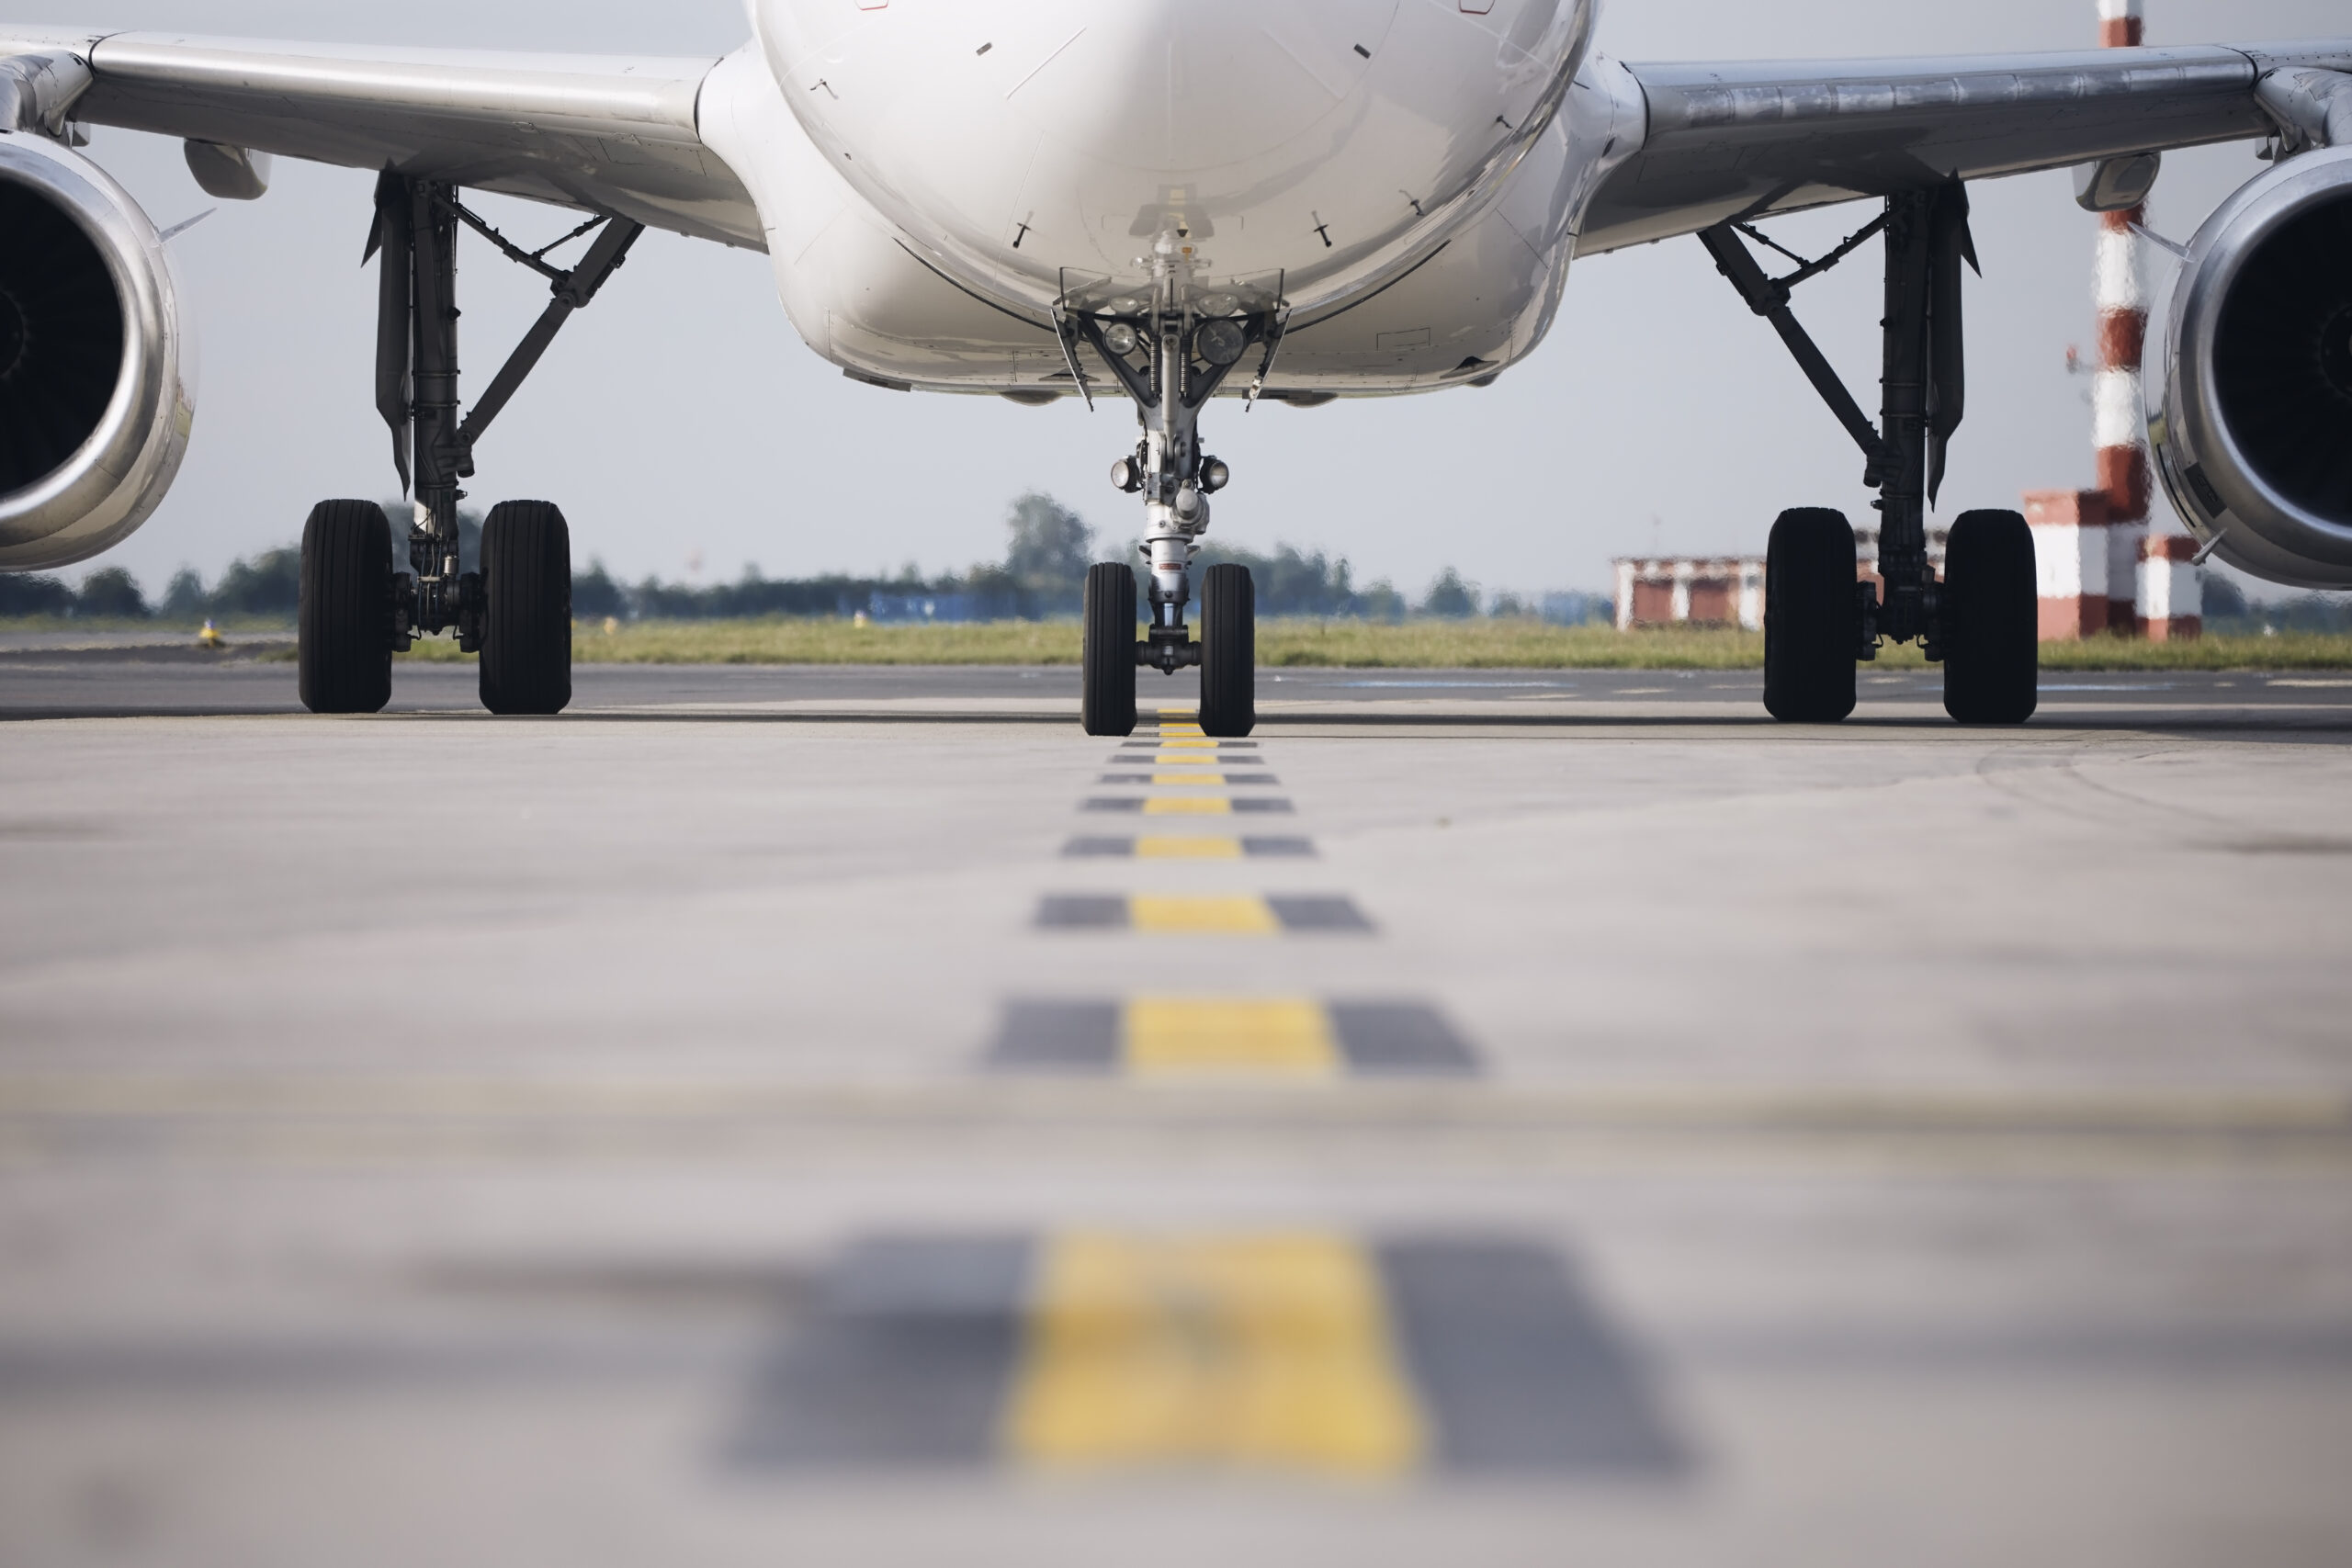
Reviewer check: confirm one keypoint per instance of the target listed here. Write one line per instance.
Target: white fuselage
(935, 176)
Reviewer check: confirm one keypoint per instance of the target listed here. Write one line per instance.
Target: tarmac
(848, 1115)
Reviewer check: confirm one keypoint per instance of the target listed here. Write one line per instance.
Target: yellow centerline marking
(1180, 741)
(1180, 805)
(1170, 846)
(1289, 1036)
(1188, 778)
(1267, 1351)
(1186, 759)
(1225, 916)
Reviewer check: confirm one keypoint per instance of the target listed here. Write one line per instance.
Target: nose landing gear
(1171, 349)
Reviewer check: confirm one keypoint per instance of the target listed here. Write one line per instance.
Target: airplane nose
(1180, 88)
(1041, 140)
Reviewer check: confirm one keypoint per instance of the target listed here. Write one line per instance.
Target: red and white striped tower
(2098, 569)
(2116, 419)
(2172, 594)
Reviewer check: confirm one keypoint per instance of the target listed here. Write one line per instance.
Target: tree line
(1042, 575)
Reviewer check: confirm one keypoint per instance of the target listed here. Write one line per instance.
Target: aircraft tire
(1107, 651)
(526, 608)
(345, 651)
(1990, 635)
(1813, 625)
(1229, 652)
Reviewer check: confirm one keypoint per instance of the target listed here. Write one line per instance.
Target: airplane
(1168, 204)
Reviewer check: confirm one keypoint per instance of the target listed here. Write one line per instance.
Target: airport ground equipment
(1343, 197)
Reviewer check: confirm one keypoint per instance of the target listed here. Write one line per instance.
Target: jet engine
(95, 399)
(2253, 436)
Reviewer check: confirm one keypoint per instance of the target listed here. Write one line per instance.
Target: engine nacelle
(2253, 436)
(95, 371)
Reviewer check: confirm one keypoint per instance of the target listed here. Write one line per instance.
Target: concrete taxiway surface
(847, 1116)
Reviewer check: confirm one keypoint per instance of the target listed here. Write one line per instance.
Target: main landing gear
(515, 611)
(1978, 620)
(1170, 346)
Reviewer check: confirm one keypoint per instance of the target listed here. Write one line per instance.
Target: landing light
(1125, 475)
(1119, 338)
(1214, 474)
(1219, 343)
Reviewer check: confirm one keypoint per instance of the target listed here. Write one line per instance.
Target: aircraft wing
(1741, 140)
(600, 133)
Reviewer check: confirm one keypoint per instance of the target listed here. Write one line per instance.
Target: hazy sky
(681, 417)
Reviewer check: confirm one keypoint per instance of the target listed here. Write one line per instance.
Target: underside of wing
(600, 133)
(1742, 140)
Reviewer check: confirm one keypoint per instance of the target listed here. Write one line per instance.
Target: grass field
(1482, 644)
(273, 625)
(1487, 644)
(1415, 645)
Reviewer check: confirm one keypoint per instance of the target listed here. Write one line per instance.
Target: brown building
(1701, 590)
(1657, 591)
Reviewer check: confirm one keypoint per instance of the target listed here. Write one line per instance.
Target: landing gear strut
(516, 611)
(1170, 344)
(1979, 620)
